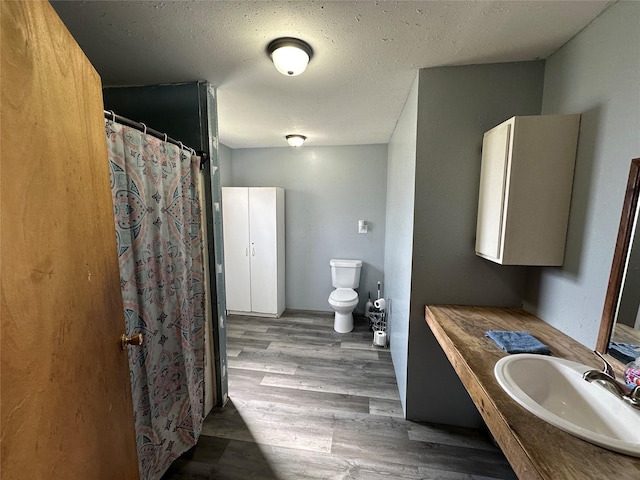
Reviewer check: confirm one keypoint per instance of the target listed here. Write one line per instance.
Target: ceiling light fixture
(296, 140)
(290, 55)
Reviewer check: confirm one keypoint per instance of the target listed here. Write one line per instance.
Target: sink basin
(553, 390)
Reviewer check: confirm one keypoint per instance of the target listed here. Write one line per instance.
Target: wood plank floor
(309, 403)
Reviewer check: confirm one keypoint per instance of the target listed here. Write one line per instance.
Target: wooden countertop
(535, 449)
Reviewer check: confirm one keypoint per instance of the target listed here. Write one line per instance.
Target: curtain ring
(113, 115)
(165, 138)
(144, 132)
(181, 145)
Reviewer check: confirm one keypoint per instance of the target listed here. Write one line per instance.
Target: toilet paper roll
(380, 338)
(379, 304)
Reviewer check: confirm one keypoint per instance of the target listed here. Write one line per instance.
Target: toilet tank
(345, 273)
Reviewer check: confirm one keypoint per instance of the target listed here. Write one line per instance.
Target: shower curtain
(157, 218)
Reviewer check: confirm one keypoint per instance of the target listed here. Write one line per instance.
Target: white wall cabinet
(525, 189)
(253, 224)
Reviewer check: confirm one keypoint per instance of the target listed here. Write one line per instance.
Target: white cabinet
(253, 225)
(525, 189)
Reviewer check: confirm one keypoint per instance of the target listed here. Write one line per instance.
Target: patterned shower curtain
(157, 217)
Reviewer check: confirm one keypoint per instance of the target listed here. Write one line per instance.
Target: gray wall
(596, 74)
(327, 190)
(398, 245)
(224, 159)
(456, 105)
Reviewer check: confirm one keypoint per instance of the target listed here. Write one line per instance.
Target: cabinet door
(235, 215)
(262, 224)
(491, 201)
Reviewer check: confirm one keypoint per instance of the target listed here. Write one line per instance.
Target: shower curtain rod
(110, 114)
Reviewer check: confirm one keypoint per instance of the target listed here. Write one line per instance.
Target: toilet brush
(368, 306)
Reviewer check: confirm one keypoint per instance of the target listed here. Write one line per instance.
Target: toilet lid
(344, 295)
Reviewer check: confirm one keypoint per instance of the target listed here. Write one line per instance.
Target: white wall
(398, 245)
(596, 74)
(327, 190)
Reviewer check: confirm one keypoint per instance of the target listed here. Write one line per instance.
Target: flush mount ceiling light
(295, 140)
(290, 55)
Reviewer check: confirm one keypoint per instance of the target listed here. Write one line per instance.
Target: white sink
(553, 389)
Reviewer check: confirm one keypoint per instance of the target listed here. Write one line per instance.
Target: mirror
(621, 314)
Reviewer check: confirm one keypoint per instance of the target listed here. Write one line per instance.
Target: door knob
(132, 340)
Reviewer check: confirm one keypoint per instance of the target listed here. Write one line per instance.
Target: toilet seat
(343, 297)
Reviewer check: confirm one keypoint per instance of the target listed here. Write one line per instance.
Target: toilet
(345, 276)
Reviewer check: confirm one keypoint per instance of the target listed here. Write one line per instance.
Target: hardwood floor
(309, 403)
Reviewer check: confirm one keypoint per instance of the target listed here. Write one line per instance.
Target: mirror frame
(620, 255)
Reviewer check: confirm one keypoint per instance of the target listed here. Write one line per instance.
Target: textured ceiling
(366, 54)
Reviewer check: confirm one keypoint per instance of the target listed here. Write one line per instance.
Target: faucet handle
(606, 368)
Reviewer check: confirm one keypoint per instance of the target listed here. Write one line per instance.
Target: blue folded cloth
(518, 342)
(624, 352)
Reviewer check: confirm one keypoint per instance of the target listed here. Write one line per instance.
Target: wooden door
(66, 401)
(264, 253)
(237, 273)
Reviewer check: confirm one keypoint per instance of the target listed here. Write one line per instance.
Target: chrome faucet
(607, 378)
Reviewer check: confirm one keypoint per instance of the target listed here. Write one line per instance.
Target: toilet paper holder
(380, 304)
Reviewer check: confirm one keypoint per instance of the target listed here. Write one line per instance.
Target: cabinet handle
(253, 251)
(246, 251)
